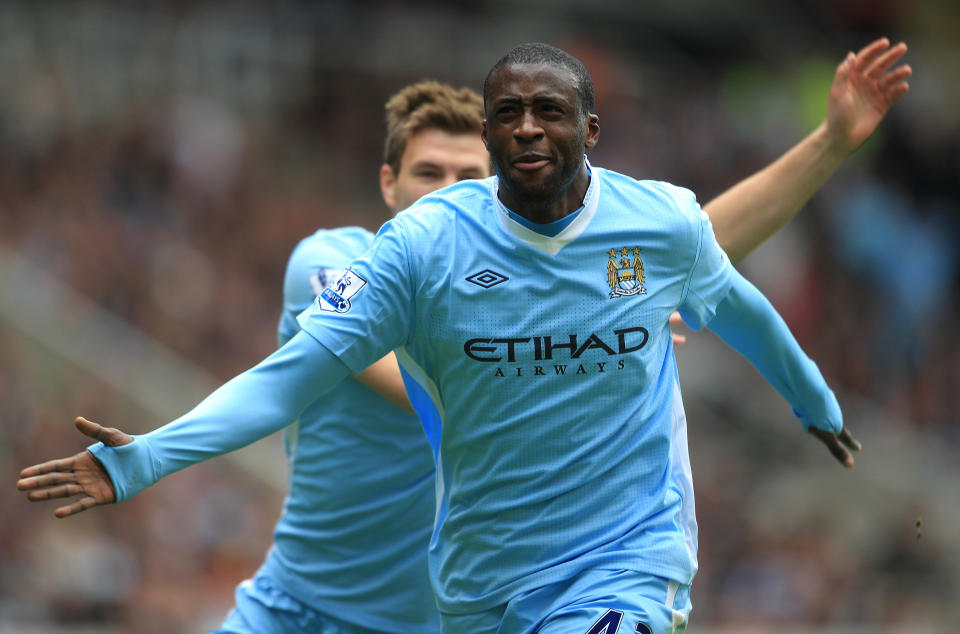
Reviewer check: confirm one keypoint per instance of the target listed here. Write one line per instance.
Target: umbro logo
(487, 278)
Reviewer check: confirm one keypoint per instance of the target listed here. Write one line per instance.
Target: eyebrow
(425, 164)
(438, 166)
(541, 98)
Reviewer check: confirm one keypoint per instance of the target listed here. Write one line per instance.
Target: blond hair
(428, 104)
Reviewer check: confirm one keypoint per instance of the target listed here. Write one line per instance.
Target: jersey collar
(551, 244)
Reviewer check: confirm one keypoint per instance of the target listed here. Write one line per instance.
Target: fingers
(109, 436)
(46, 480)
(895, 76)
(88, 427)
(833, 444)
(60, 464)
(675, 319)
(64, 491)
(843, 68)
(898, 91)
(847, 439)
(886, 60)
(678, 340)
(893, 84)
(869, 53)
(77, 507)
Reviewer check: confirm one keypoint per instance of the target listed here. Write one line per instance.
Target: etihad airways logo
(548, 352)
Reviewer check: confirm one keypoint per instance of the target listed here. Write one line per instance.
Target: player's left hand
(864, 87)
(839, 445)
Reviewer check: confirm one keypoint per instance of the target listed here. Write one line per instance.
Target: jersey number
(609, 623)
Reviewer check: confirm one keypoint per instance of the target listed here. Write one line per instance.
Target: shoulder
(345, 240)
(320, 257)
(659, 201)
(330, 247)
(670, 196)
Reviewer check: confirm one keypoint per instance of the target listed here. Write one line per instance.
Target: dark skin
(536, 133)
(80, 474)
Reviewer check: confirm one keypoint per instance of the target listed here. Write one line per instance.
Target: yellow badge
(625, 275)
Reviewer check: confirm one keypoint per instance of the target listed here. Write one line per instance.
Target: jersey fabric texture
(554, 402)
(353, 535)
(264, 608)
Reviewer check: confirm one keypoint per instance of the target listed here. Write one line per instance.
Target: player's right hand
(80, 474)
(839, 445)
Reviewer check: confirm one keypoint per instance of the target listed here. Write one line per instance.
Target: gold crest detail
(625, 276)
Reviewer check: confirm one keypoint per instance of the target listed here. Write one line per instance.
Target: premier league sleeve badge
(336, 297)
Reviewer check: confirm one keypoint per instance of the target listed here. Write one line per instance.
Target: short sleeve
(313, 264)
(709, 279)
(368, 310)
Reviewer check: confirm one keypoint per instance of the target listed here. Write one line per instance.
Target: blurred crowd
(176, 211)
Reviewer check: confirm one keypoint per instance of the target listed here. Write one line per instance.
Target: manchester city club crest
(625, 272)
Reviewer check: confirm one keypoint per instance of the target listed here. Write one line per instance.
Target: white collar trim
(551, 244)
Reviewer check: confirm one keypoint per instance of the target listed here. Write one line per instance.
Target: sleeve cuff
(831, 419)
(131, 467)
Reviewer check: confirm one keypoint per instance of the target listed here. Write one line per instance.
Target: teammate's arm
(747, 322)
(299, 293)
(249, 407)
(384, 378)
(864, 87)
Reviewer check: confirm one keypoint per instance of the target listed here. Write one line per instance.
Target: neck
(568, 200)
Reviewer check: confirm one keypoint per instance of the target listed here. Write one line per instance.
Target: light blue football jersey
(554, 404)
(352, 539)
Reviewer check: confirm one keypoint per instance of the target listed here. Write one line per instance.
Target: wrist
(835, 145)
(130, 468)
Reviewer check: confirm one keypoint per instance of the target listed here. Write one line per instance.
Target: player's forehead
(526, 82)
(439, 147)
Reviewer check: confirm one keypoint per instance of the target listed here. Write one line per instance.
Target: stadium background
(158, 163)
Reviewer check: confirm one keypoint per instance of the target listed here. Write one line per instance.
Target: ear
(593, 131)
(388, 185)
(483, 133)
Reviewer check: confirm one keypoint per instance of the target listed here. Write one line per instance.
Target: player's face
(433, 159)
(536, 134)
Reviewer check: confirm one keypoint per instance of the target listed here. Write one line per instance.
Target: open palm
(80, 474)
(864, 88)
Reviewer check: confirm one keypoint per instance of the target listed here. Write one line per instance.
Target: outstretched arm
(247, 408)
(746, 321)
(864, 87)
